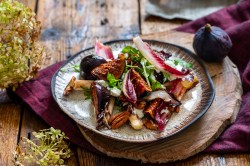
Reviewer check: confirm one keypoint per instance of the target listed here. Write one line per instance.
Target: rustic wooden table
(68, 27)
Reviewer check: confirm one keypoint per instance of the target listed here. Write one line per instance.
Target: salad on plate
(139, 86)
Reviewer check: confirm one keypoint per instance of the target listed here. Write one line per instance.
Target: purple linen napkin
(235, 20)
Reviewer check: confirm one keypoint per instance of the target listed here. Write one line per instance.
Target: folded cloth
(235, 20)
(37, 94)
(185, 9)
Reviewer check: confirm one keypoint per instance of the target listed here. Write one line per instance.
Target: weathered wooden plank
(201, 159)
(30, 123)
(153, 24)
(9, 125)
(69, 26)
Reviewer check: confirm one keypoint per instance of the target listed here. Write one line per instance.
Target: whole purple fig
(211, 43)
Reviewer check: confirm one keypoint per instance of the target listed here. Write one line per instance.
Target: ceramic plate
(194, 104)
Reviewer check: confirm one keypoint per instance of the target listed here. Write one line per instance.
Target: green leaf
(135, 54)
(154, 83)
(183, 63)
(87, 93)
(145, 70)
(166, 76)
(113, 82)
(76, 68)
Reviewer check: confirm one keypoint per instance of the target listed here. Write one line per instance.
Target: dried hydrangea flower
(49, 147)
(20, 54)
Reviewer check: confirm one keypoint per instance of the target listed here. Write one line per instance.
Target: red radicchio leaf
(155, 59)
(128, 88)
(162, 119)
(160, 122)
(103, 51)
(173, 84)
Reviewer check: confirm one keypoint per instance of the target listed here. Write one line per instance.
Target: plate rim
(189, 52)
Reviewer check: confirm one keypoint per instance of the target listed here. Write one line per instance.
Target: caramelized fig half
(115, 67)
(139, 83)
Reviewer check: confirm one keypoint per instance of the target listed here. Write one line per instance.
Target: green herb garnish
(48, 148)
(113, 82)
(183, 63)
(166, 76)
(154, 83)
(135, 54)
(145, 70)
(76, 68)
(87, 93)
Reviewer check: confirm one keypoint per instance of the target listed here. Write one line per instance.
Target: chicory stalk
(103, 51)
(154, 59)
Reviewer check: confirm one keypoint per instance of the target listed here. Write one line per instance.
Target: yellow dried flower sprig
(20, 54)
(48, 148)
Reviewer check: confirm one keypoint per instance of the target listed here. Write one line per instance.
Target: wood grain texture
(197, 136)
(9, 126)
(79, 23)
(152, 24)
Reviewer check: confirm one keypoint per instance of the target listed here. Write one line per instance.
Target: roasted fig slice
(149, 124)
(139, 84)
(154, 106)
(115, 67)
(103, 104)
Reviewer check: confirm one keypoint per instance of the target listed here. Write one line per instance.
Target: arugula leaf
(183, 63)
(136, 54)
(113, 82)
(87, 93)
(166, 76)
(145, 72)
(156, 85)
(75, 67)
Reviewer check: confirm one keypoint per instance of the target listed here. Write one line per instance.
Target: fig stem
(208, 28)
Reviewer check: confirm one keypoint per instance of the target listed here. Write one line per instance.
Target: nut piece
(135, 122)
(119, 119)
